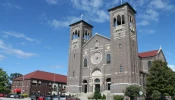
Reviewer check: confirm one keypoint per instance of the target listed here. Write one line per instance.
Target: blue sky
(34, 34)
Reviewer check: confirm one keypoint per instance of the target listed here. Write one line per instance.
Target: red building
(40, 82)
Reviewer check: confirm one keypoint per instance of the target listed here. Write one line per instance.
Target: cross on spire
(81, 16)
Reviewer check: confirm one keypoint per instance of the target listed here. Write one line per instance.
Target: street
(13, 99)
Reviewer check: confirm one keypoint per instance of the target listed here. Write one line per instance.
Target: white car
(12, 96)
(63, 97)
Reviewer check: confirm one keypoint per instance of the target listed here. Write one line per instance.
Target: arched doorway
(97, 79)
(85, 86)
(108, 83)
(97, 84)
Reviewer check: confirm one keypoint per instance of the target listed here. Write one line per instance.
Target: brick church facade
(99, 62)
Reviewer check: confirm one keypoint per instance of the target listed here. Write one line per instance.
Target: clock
(96, 57)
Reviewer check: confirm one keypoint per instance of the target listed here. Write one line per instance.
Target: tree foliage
(118, 97)
(156, 95)
(132, 91)
(3, 80)
(97, 94)
(14, 75)
(160, 78)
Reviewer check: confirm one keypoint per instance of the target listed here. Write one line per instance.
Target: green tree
(3, 80)
(97, 94)
(14, 75)
(132, 91)
(160, 78)
(156, 95)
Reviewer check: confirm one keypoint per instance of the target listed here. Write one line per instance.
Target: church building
(99, 62)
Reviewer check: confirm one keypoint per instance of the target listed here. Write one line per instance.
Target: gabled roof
(80, 22)
(148, 53)
(96, 34)
(41, 75)
(123, 6)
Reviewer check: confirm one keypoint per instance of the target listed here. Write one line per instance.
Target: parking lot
(13, 99)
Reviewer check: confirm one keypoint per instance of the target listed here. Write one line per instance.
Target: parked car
(48, 97)
(33, 97)
(41, 98)
(55, 97)
(12, 96)
(1, 95)
(17, 96)
(6, 95)
(63, 97)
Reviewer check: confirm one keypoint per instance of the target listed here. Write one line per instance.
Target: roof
(44, 76)
(148, 53)
(80, 22)
(123, 6)
(96, 34)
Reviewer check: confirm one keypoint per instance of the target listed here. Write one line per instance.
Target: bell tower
(80, 32)
(124, 48)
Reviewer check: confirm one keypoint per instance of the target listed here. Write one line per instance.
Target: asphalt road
(13, 99)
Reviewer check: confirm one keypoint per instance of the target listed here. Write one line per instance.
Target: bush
(97, 94)
(132, 91)
(118, 97)
(156, 95)
(166, 94)
(24, 95)
(103, 97)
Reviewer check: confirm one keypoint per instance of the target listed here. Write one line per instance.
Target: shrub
(156, 95)
(24, 95)
(118, 97)
(97, 94)
(103, 97)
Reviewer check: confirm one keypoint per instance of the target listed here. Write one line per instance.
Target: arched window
(115, 22)
(149, 64)
(108, 81)
(73, 36)
(118, 20)
(84, 81)
(73, 74)
(97, 80)
(121, 68)
(108, 59)
(85, 62)
(123, 19)
(78, 33)
(85, 86)
(140, 64)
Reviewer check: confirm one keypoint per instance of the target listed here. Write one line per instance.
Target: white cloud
(56, 67)
(65, 23)
(10, 50)
(52, 1)
(172, 67)
(1, 57)
(19, 35)
(93, 9)
(146, 31)
(143, 23)
(150, 15)
(161, 4)
(102, 16)
(10, 5)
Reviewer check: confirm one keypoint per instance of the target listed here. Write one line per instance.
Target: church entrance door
(97, 87)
